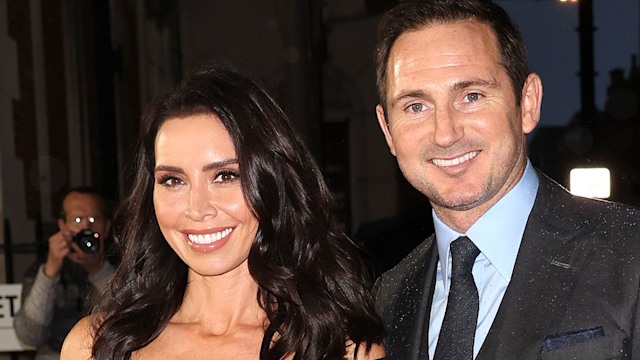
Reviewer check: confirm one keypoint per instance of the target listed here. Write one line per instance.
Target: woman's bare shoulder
(78, 343)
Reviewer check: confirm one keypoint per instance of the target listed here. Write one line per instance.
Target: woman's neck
(219, 303)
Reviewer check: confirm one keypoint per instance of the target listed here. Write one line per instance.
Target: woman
(230, 249)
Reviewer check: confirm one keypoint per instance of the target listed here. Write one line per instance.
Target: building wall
(153, 58)
(254, 40)
(13, 204)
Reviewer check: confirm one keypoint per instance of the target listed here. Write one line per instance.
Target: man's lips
(209, 238)
(455, 161)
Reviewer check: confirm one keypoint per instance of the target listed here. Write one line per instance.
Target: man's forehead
(443, 51)
(445, 37)
(80, 202)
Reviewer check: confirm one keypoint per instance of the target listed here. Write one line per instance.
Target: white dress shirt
(497, 234)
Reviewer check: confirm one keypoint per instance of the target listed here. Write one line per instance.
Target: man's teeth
(209, 238)
(456, 161)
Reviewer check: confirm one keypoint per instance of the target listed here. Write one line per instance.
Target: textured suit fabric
(573, 293)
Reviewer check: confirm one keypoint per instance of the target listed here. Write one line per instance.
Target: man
(537, 272)
(54, 292)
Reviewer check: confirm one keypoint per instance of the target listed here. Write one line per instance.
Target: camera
(88, 240)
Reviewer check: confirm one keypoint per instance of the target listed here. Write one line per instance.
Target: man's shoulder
(602, 221)
(603, 214)
(411, 269)
(416, 257)
(613, 225)
(558, 199)
(31, 271)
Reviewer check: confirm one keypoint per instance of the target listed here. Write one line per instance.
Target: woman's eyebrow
(219, 164)
(168, 168)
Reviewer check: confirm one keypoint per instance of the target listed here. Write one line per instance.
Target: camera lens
(88, 240)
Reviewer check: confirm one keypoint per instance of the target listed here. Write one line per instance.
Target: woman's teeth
(209, 238)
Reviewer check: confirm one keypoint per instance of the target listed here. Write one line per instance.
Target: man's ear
(384, 126)
(107, 228)
(531, 102)
(61, 224)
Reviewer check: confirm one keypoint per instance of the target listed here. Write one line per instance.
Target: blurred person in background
(54, 292)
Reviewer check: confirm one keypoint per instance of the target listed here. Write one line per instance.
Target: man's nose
(448, 129)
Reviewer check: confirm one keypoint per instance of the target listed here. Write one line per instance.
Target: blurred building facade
(611, 140)
(76, 75)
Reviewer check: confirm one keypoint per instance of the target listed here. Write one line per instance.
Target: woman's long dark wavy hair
(312, 283)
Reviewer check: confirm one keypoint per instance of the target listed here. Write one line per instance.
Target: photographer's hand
(58, 250)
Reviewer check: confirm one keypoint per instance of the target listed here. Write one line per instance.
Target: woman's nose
(200, 205)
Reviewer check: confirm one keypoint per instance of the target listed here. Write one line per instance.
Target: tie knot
(463, 254)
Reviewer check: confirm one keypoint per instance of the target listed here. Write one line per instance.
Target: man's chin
(456, 201)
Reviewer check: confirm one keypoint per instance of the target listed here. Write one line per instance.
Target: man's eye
(417, 107)
(226, 176)
(472, 97)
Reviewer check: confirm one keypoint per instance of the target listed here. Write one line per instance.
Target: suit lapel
(429, 288)
(411, 310)
(546, 268)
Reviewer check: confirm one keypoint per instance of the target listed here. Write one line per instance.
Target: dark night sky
(549, 29)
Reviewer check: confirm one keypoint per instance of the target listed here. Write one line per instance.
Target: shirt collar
(498, 232)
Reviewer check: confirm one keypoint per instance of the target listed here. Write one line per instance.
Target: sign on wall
(9, 304)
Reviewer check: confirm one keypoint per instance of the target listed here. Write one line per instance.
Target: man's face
(453, 123)
(84, 211)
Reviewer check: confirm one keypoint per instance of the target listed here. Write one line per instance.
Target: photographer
(54, 292)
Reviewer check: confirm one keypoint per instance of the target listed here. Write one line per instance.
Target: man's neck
(461, 219)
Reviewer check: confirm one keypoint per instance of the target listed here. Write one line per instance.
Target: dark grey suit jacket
(573, 293)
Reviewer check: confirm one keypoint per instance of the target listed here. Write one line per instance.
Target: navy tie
(458, 330)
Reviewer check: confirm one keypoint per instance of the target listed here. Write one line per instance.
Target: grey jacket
(50, 307)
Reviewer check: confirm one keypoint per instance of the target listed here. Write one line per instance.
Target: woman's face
(197, 195)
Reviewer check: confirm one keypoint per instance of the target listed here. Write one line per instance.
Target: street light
(590, 182)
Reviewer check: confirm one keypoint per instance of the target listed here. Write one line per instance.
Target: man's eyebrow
(474, 82)
(412, 94)
(219, 164)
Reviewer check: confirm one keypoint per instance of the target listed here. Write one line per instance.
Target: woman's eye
(170, 181)
(226, 176)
